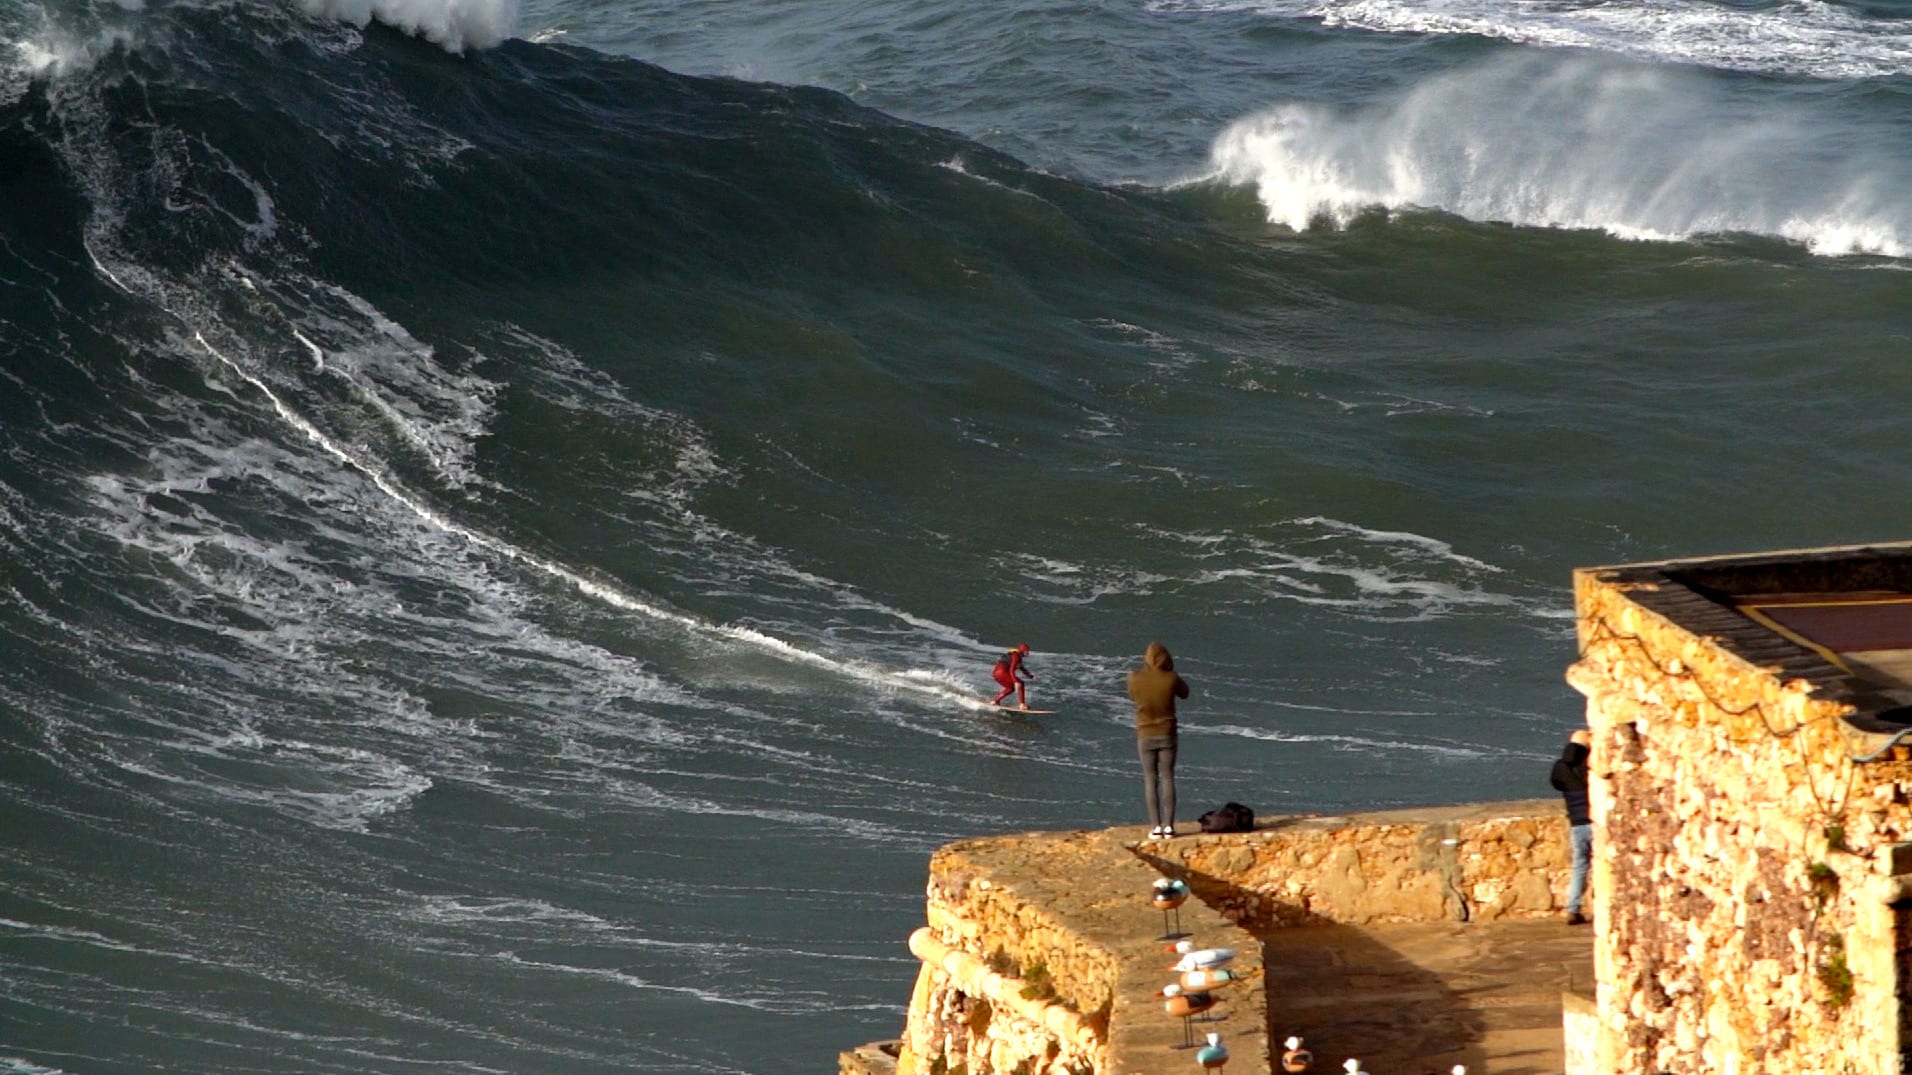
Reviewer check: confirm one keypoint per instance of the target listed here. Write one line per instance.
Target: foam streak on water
(1811, 38)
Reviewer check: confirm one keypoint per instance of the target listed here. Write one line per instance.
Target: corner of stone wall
(1007, 903)
(1739, 926)
(1580, 1027)
(876, 1058)
(1042, 955)
(1008, 984)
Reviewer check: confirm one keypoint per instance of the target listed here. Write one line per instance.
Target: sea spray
(453, 25)
(1639, 152)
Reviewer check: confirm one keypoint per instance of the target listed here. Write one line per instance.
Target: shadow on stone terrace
(1411, 998)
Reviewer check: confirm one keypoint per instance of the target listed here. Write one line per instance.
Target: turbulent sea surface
(506, 511)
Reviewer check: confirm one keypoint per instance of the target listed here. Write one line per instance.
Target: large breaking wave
(1637, 151)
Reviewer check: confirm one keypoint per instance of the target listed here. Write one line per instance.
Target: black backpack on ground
(1232, 817)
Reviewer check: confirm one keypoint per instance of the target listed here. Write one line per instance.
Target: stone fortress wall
(1747, 864)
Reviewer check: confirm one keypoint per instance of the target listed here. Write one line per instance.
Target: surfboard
(1029, 712)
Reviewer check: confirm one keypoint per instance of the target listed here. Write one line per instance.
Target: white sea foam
(1173, 354)
(331, 787)
(495, 910)
(538, 920)
(1315, 560)
(1439, 549)
(287, 593)
(1355, 743)
(1064, 582)
(601, 591)
(960, 167)
(743, 996)
(439, 412)
(14, 1065)
(45, 53)
(1649, 153)
(298, 609)
(1812, 38)
(693, 467)
(301, 611)
(453, 25)
(1390, 404)
(94, 939)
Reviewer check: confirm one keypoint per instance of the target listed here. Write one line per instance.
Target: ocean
(507, 511)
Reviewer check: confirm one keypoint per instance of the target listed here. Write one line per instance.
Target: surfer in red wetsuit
(1010, 674)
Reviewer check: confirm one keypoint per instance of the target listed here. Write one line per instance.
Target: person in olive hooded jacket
(1154, 687)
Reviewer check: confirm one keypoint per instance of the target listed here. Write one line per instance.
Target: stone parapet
(1461, 863)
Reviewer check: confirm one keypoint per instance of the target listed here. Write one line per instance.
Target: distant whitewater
(1814, 39)
(1640, 152)
(454, 25)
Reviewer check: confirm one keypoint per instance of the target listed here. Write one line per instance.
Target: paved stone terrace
(1420, 997)
(1406, 999)
(1416, 997)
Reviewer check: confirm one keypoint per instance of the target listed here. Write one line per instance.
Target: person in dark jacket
(1154, 688)
(1570, 778)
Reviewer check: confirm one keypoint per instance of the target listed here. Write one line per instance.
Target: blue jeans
(1582, 839)
(1158, 777)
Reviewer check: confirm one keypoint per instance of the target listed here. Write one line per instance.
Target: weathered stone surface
(1488, 861)
(1066, 919)
(1580, 1020)
(1414, 997)
(1740, 928)
(1065, 922)
(876, 1058)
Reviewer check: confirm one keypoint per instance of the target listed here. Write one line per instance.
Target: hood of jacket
(1156, 656)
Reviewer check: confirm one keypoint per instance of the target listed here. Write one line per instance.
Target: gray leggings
(1158, 777)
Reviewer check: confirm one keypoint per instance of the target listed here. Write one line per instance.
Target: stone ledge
(1469, 863)
(876, 1058)
(1067, 917)
(1077, 905)
(974, 978)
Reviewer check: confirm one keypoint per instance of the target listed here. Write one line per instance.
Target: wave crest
(1639, 152)
(454, 25)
